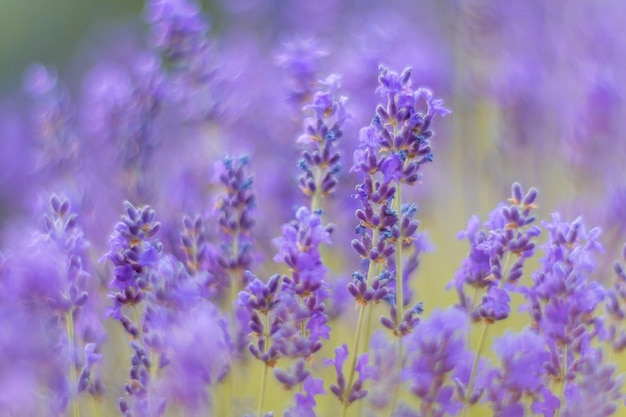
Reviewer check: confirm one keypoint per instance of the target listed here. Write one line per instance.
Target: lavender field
(331, 208)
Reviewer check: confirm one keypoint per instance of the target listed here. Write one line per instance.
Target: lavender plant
(244, 308)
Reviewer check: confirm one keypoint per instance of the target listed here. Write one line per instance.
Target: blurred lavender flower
(200, 355)
(305, 401)
(300, 58)
(120, 109)
(599, 392)
(53, 115)
(522, 374)
(180, 32)
(235, 205)
(563, 299)
(85, 332)
(437, 356)
(614, 305)
(349, 394)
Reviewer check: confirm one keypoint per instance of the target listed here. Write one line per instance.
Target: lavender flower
(305, 401)
(235, 215)
(320, 159)
(81, 315)
(179, 28)
(563, 299)
(349, 394)
(180, 33)
(301, 60)
(487, 268)
(133, 251)
(52, 117)
(614, 306)
(523, 357)
(200, 356)
(436, 356)
(123, 105)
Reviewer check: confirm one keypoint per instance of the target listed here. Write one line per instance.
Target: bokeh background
(536, 89)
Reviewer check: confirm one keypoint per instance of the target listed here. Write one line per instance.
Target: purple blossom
(300, 59)
(435, 351)
(523, 357)
(305, 401)
(53, 116)
(498, 251)
(200, 356)
(235, 206)
(345, 394)
(179, 27)
(320, 161)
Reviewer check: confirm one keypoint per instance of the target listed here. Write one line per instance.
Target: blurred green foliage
(50, 31)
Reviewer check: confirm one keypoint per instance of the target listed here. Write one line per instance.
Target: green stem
(234, 292)
(96, 406)
(316, 198)
(562, 387)
(355, 354)
(265, 366)
(470, 385)
(399, 289)
(69, 323)
(263, 388)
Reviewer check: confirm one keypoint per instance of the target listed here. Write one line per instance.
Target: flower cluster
(250, 306)
(320, 160)
(488, 269)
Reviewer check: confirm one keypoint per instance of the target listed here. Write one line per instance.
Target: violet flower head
(298, 248)
(260, 300)
(523, 357)
(614, 305)
(120, 108)
(384, 378)
(599, 392)
(402, 129)
(52, 114)
(300, 59)
(436, 356)
(345, 394)
(498, 251)
(305, 401)
(61, 229)
(195, 244)
(200, 356)
(179, 28)
(293, 376)
(235, 206)
(320, 161)
(181, 34)
(563, 296)
(563, 299)
(134, 249)
(302, 308)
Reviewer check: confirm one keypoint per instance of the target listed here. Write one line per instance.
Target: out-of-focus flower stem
(355, 355)
(562, 387)
(69, 323)
(399, 295)
(356, 343)
(96, 406)
(234, 291)
(470, 384)
(265, 366)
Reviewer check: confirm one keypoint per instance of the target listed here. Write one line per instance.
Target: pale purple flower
(436, 355)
